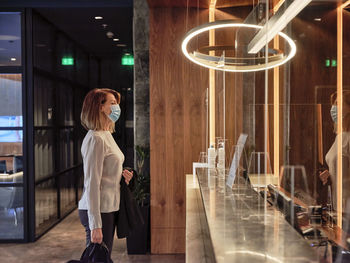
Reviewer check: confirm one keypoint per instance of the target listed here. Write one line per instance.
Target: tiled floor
(66, 241)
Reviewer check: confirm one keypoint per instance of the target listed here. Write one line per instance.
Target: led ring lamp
(233, 64)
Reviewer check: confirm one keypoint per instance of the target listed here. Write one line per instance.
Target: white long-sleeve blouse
(331, 160)
(103, 165)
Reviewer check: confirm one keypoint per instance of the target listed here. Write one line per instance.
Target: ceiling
(66, 3)
(80, 25)
(76, 19)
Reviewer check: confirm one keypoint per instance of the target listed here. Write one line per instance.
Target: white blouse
(331, 159)
(103, 165)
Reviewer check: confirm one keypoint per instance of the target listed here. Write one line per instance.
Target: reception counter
(224, 225)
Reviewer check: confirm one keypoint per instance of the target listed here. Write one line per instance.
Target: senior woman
(103, 167)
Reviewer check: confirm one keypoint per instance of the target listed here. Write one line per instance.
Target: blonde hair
(346, 109)
(91, 116)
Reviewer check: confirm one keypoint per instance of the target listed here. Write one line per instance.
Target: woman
(103, 162)
(332, 154)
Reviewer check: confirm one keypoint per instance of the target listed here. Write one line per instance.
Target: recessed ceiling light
(317, 19)
(110, 34)
(13, 59)
(98, 17)
(104, 25)
(115, 39)
(121, 45)
(127, 54)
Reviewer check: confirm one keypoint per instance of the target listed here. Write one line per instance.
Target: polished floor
(66, 241)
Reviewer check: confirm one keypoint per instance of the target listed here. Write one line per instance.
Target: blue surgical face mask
(334, 113)
(115, 114)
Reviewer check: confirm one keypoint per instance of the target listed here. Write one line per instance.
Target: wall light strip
(212, 125)
(278, 5)
(275, 24)
(339, 185)
(345, 4)
(232, 24)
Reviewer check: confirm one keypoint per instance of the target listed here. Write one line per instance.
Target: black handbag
(94, 253)
(129, 216)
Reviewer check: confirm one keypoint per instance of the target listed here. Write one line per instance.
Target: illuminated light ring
(229, 23)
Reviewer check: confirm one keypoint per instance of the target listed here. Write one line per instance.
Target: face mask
(334, 113)
(115, 114)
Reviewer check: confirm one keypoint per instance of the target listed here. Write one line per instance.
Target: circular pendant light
(274, 58)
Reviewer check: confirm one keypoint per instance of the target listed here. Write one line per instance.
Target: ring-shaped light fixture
(209, 62)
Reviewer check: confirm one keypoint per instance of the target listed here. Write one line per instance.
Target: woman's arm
(93, 167)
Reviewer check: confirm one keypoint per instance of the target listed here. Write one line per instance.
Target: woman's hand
(324, 176)
(127, 175)
(96, 235)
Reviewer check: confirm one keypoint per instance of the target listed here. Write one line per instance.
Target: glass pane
(10, 39)
(11, 100)
(67, 188)
(11, 147)
(45, 205)
(43, 101)
(80, 181)
(43, 153)
(65, 57)
(43, 44)
(66, 156)
(11, 209)
(65, 114)
(82, 67)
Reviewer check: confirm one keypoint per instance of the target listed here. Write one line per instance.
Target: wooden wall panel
(177, 87)
(198, 3)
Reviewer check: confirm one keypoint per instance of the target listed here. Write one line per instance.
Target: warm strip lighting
(278, 5)
(115, 39)
(345, 4)
(212, 78)
(275, 24)
(276, 114)
(340, 111)
(231, 24)
(98, 17)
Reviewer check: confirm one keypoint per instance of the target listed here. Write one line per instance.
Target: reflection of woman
(331, 156)
(103, 162)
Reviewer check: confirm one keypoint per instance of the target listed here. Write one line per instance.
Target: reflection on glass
(11, 209)
(66, 155)
(43, 152)
(45, 205)
(43, 44)
(10, 39)
(66, 101)
(67, 189)
(259, 170)
(43, 101)
(11, 100)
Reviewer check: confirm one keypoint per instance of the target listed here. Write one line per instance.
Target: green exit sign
(67, 61)
(127, 60)
(328, 62)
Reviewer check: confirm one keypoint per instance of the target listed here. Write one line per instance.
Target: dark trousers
(108, 227)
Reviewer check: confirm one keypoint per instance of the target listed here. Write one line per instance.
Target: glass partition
(296, 116)
(11, 157)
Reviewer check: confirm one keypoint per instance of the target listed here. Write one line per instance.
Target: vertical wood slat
(177, 89)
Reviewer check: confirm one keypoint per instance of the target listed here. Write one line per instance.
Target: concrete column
(141, 76)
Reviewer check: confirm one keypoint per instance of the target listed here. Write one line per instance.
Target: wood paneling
(177, 123)
(179, 3)
(199, 3)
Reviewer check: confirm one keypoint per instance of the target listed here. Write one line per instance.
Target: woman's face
(106, 107)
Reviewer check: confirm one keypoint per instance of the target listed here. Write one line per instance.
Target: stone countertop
(242, 227)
